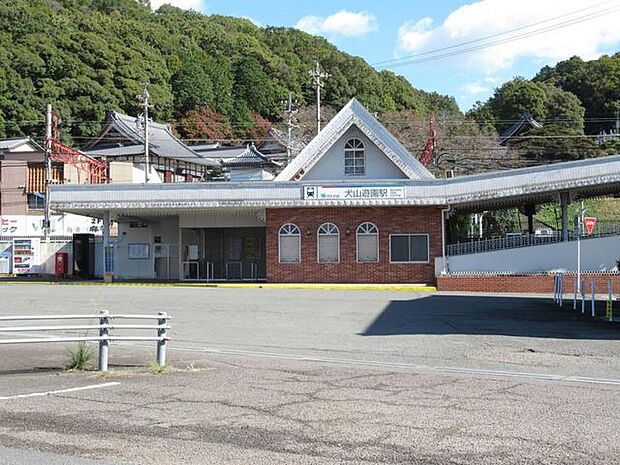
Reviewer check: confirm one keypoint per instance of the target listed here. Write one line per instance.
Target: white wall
(251, 219)
(144, 268)
(331, 166)
(597, 255)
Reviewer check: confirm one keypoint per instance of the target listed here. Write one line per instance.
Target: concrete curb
(332, 287)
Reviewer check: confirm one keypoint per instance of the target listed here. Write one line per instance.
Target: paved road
(497, 333)
(312, 377)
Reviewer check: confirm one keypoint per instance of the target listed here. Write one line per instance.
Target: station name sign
(353, 192)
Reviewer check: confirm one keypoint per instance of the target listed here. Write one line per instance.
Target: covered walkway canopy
(501, 189)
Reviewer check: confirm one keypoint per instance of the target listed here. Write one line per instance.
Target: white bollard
(583, 296)
(575, 292)
(561, 296)
(593, 292)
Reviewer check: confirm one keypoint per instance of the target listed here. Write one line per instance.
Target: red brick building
(353, 207)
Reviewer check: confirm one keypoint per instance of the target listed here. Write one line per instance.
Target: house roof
(526, 120)
(15, 142)
(161, 141)
(354, 114)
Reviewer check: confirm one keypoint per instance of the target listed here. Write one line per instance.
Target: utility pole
(291, 108)
(145, 119)
(316, 75)
(579, 223)
(48, 171)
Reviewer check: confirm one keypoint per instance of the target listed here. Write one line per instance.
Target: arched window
(354, 158)
(289, 244)
(367, 243)
(328, 243)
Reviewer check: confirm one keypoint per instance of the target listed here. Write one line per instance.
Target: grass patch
(80, 358)
(155, 368)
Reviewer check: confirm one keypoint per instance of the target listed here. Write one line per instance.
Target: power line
(504, 41)
(498, 34)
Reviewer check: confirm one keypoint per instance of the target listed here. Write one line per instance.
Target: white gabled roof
(354, 114)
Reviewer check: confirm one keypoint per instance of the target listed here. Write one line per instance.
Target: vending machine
(26, 256)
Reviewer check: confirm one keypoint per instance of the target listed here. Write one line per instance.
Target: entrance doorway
(223, 254)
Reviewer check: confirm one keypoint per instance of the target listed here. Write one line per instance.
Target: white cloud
(487, 17)
(475, 88)
(185, 4)
(344, 23)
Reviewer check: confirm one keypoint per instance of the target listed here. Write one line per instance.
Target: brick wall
(532, 283)
(389, 220)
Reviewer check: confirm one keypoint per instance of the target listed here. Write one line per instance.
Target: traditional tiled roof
(131, 137)
(353, 113)
(526, 120)
(250, 157)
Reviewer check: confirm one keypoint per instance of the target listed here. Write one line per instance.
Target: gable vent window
(354, 158)
(328, 243)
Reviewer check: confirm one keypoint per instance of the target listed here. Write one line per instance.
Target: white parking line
(407, 366)
(61, 391)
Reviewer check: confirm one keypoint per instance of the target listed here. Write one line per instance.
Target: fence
(580, 293)
(104, 329)
(601, 229)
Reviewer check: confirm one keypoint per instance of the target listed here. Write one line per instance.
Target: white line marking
(407, 366)
(61, 391)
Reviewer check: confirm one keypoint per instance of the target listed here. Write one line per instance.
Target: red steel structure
(429, 149)
(93, 170)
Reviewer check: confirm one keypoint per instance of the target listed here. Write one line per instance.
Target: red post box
(62, 264)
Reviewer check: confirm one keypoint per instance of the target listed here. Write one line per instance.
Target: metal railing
(105, 331)
(526, 240)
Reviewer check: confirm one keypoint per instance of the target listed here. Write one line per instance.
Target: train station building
(353, 207)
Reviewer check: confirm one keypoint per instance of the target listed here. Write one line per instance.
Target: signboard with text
(60, 225)
(353, 192)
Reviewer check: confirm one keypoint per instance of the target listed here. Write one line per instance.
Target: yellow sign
(609, 310)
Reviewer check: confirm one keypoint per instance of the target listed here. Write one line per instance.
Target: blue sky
(533, 33)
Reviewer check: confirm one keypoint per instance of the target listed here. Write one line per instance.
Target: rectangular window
(328, 248)
(289, 249)
(368, 248)
(409, 248)
(36, 201)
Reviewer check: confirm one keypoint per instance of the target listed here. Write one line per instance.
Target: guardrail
(105, 327)
(526, 240)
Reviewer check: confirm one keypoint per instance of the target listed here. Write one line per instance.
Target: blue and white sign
(353, 192)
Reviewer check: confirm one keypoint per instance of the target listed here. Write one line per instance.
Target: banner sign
(60, 225)
(353, 192)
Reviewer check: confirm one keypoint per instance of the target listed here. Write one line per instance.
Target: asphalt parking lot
(282, 376)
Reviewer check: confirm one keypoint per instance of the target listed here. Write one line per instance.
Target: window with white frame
(409, 248)
(367, 243)
(354, 157)
(289, 243)
(328, 243)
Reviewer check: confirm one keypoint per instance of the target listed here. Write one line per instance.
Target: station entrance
(223, 254)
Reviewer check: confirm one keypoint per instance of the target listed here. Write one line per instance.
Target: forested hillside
(90, 56)
(573, 100)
